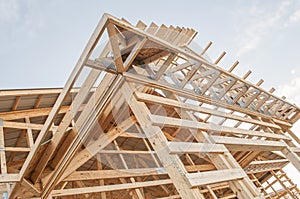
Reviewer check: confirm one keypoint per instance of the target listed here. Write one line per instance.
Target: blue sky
(41, 40)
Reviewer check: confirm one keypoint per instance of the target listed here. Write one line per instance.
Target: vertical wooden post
(29, 137)
(2, 149)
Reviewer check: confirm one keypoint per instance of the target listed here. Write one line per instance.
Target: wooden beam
(11, 177)
(182, 123)
(106, 188)
(135, 51)
(200, 167)
(17, 149)
(242, 144)
(29, 136)
(233, 66)
(38, 102)
(190, 147)
(113, 37)
(2, 151)
(165, 66)
(30, 92)
(26, 126)
(31, 113)
(211, 177)
(292, 157)
(16, 104)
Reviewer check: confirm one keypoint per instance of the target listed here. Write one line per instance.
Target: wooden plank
(189, 147)
(220, 57)
(152, 28)
(38, 102)
(2, 151)
(201, 167)
(30, 92)
(11, 177)
(165, 66)
(14, 115)
(101, 181)
(190, 74)
(180, 67)
(233, 66)
(17, 149)
(106, 188)
(71, 134)
(242, 144)
(109, 174)
(115, 46)
(29, 136)
(25, 183)
(141, 25)
(182, 123)
(293, 135)
(135, 51)
(26, 126)
(210, 177)
(103, 64)
(292, 157)
(16, 104)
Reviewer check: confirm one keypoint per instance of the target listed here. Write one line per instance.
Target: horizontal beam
(265, 165)
(9, 178)
(125, 152)
(263, 162)
(189, 147)
(14, 115)
(17, 149)
(182, 123)
(24, 92)
(242, 144)
(211, 177)
(106, 188)
(102, 64)
(32, 126)
(109, 174)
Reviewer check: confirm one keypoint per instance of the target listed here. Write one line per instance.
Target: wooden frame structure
(143, 115)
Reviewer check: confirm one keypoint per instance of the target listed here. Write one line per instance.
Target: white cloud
(258, 22)
(22, 16)
(295, 17)
(9, 10)
(291, 90)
